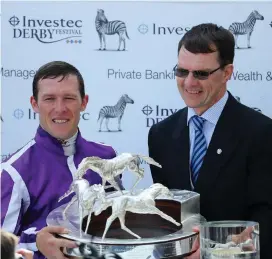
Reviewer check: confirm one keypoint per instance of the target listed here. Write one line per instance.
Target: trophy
(139, 223)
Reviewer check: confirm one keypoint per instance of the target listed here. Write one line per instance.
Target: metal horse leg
(68, 206)
(88, 221)
(140, 177)
(122, 222)
(163, 215)
(80, 219)
(108, 224)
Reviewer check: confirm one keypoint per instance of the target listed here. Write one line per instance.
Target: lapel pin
(219, 151)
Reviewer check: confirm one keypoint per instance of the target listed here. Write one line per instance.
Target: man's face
(202, 94)
(59, 105)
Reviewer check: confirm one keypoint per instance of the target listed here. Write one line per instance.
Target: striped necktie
(200, 147)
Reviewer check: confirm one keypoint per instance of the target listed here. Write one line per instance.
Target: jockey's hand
(49, 245)
(25, 253)
(196, 247)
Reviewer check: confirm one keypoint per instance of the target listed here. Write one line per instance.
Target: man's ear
(228, 70)
(85, 101)
(34, 104)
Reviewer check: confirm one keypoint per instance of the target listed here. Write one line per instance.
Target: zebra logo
(116, 111)
(245, 27)
(104, 27)
(254, 108)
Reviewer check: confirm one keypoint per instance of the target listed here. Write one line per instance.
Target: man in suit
(215, 146)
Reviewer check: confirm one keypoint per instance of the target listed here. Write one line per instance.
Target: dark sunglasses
(198, 74)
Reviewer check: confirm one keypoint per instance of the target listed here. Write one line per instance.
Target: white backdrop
(34, 33)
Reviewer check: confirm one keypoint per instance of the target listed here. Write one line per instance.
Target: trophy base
(144, 225)
(159, 237)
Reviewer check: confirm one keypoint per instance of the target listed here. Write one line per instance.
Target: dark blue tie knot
(198, 122)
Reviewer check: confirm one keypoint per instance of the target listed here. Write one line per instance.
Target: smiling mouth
(193, 91)
(58, 121)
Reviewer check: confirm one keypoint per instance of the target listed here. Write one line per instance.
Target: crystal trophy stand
(137, 224)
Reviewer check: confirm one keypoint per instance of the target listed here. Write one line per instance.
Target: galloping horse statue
(142, 203)
(108, 169)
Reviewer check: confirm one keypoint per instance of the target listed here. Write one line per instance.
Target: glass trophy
(229, 239)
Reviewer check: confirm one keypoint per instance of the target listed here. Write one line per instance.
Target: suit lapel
(221, 147)
(181, 152)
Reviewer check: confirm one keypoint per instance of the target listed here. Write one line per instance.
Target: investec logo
(156, 114)
(31, 115)
(158, 29)
(46, 30)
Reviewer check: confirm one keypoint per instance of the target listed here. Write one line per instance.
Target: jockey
(37, 175)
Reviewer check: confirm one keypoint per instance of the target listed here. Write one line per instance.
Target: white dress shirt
(211, 117)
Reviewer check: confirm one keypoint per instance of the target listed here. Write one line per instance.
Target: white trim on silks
(71, 165)
(19, 191)
(102, 144)
(31, 231)
(17, 155)
(28, 246)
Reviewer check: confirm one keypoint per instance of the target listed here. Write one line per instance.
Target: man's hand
(49, 245)
(245, 238)
(196, 247)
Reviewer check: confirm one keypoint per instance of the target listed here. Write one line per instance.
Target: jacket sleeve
(156, 172)
(11, 202)
(15, 200)
(259, 195)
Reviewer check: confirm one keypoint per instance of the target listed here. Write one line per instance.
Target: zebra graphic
(116, 111)
(246, 27)
(103, 26)
(254, 108)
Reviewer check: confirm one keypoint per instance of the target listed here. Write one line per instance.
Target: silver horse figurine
(86, 196)
(142, 203)
(109, 169)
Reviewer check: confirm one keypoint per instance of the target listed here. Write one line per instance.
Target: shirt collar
(54, 145)
(70, 141)
(213, 113)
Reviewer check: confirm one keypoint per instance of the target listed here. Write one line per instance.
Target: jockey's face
(59, 105)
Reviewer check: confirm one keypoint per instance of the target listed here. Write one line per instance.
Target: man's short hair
(8, 245)
(208, 38)
(56, 69)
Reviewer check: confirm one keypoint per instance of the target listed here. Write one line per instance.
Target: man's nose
(191, 80)
(60, 106)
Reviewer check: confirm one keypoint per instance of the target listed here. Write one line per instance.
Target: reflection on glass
(229, 239)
